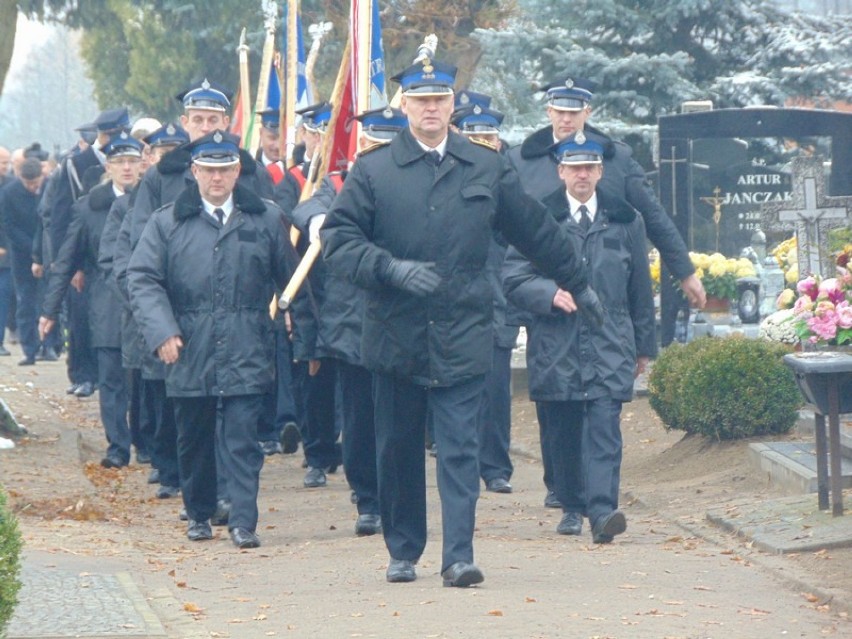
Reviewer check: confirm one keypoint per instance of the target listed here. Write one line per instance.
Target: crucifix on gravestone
(716, 202)
(811, 214)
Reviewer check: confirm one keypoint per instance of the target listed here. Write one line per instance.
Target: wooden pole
(299, 276)
(290, 79)
(245, 87)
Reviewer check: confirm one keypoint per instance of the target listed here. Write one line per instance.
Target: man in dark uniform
(335, 336)
(200, 282)
(79, 252)
(476, 120)
(580, 375)
(269, 153)
(78, 174)
(412, 225)
(568, 110)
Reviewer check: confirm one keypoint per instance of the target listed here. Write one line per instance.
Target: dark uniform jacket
(568, 360)
(335, 329)
(79, 251)
(394, 203)
(212, 286)
(19, 215)
(622, 176)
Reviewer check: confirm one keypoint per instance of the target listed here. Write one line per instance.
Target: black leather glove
(415, 277)
(590, 306)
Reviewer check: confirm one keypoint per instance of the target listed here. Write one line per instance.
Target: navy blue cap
(88, 132)
(270, 118)
(427, 78)
(123, 144)
(217, 148)
(467, 98)
(34, 150)
(205, 95)
(315, 117)
(477, 119)
(569, 93)
(382, 124)
(168, 134)
(578, 149)
(112, 120)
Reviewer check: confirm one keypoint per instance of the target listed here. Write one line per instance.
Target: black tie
(220, 215)
(585, 220)
(433, 157)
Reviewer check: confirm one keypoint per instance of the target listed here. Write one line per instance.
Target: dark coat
(394, 203)
(567, 360)
(212, 286)
(622, 177)
(77, 173)
(335, 329)
(79, 251)
(163, 182)
(19, 216)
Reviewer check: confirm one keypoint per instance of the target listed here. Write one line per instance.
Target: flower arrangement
(787, 256)
(822, 313)
(719, 274)
(654, 263)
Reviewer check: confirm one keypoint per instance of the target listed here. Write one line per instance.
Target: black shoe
(551, 500)
(111, 461)
(223, 511)
(608, 526)
(72, 389)
(47, 355)
(243, 538)
(571, 524)
(315, 478)
(86, 389)
(199, 530)
(461, 575)
(143, 457)
(368, 524)
(290, 438)
(271, 448)
(4, 352)
(182, 515)
(498, 485)
(167, 492)
(154, 476)
(27, 361)
(400, 571)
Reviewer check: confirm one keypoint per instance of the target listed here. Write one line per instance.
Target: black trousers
(495, 418)
(235, 436)
(319, 435)
(585, 441)
(401, 414)
(359, 435)
(82, 360)
(161, 411)
(112, 397)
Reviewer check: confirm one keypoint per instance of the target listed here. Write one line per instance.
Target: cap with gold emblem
(427, 78)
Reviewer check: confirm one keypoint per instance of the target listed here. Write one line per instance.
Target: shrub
(725, 388)
(10, 551)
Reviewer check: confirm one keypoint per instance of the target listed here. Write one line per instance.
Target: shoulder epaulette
(484, 143)
(372, 147)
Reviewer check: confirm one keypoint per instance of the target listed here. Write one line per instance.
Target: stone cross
(811, 214)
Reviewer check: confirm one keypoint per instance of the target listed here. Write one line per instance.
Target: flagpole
(291, 78)
(245, 89)
(263, 79)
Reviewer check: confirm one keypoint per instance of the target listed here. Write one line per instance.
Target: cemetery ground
(96, 533)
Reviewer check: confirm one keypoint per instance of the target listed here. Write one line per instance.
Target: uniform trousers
(235, 435)
(138, 417)
(112, 396)
(28, 305)
(82, 360)
(401, 414)
(319, 434)
(585, 440)
(495, 418)
(359, 435)
(161, 410)
(5, 299)
(280, 405)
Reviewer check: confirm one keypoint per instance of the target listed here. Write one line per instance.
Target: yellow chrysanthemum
(792, 276)
(717, 268)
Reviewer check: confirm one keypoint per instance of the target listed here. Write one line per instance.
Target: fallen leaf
(495, 613)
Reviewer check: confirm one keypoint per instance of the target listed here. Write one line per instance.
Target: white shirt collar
(575, 204)
(441, 148)
(227, 207)
(118, 192)
(266, 161)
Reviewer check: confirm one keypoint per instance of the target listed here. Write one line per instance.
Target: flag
(368, 63)
(304, 95)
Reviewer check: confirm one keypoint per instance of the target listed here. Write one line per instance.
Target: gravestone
(811, 214)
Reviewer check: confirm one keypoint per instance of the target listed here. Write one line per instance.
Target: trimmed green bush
(10, 566)
(725, 388)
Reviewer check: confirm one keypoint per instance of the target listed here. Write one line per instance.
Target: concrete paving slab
(792, 465)
(785, 525)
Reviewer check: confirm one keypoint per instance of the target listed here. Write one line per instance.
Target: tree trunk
(8, 26)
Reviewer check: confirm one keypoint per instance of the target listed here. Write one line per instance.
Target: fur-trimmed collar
(405, 148)
(539, 143)
(188, 203)
(616, 210)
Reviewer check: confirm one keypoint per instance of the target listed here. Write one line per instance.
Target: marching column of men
(402, 327)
